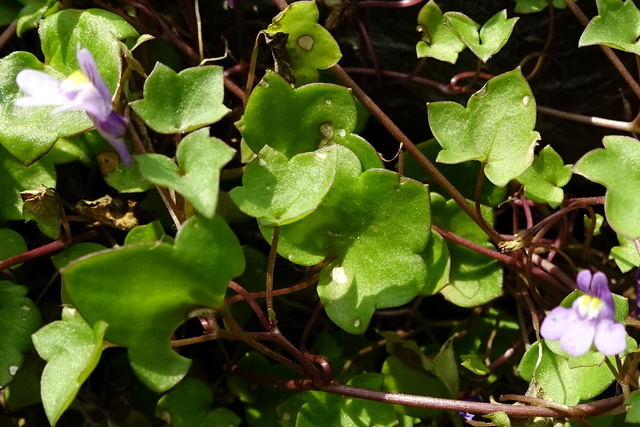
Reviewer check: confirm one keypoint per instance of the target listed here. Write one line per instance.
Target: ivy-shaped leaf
(475, 279)
(436, 257)
(12, 244)
(375, 224)
(31, 13)
(29, 132)
(460, 175)
(633, 407)
(72, 349)
(617, 25)
(533, 6)
(188, 405)
(118, 176)
(486, 41)
(626, 255)
(182, 102)
(309, 45)
(545, 177)
(278, 191)
(152, 232)
(324, 409)
(438, 40)
(496, 128)
(200, 158)
(154, 289)
(19, 318)
(615, 166)
(556, 380)
(323, 114)
(16, 178)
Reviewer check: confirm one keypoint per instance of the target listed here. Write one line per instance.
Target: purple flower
(83, 90)
(590, 320)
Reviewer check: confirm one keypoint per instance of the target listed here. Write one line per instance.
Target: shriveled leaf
(43, 207)
(438, 40)
(486, 41)
(200, 158)
(278, 191)
(617, 25)
(72, 349)
(182, 102)
(375, 224)
(323, 114)
(614, 166)
(156, 287)
(496, 128)
(546, 176)
(19, 318)
(309, 46)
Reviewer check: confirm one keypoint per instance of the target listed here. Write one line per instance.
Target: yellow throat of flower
(76, 80)
(589, 306)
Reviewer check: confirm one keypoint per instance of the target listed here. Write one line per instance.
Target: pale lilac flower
(83, 90)
(590, 320)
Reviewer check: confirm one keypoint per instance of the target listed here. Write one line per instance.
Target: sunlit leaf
(614, 167)
(496, 128)
(182, 102)
(617, 25)
(72, 349)
(31, 13)
(532, 6)
(546, 176)
(438, 40)
(626, 255)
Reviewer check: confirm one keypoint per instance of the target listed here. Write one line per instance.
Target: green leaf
(29, 132)
(188, 405)
(156, 287)
(617, 25)
(325, 409)
(19, 318)
(200, 158)
(486, 41)
(474, 363)
(72, 349)
(545, 177)
(458, 174)
(556, 380)
(436, 257)
(278, 191)
(500, 419)
(633, 407)
(44, 207)
(626, 255)
(614, 167)
(475, 279)
(375, 224)
(438, 40)
(323, 114)
(12, 244)
(309, 46)
(16, 178)
(32, 13)
(496, 128)
(152, 232)
(9, 11)
(118, 176)
(533, 6)
(182, 102)
(73, 252)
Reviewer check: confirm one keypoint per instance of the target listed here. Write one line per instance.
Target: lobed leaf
(626, 255)
(375, 224)
(200, 158)
(182, 102)
(19, 318)
(617, 25)
(496, 128)
(31, 14)
(615, 166)
(546, 176)
(438, 40)
(486, 41)
(309, 45)
(278, 191)
(155, 288)
(72, 349)
(532, 6)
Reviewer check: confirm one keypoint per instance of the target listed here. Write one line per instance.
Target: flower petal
(87, 98)
(610, 338)
(41, 89)
(555, 324)
(90, 69)
(600, 289)
(113, 128)
(578, 337)
(584, 281)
